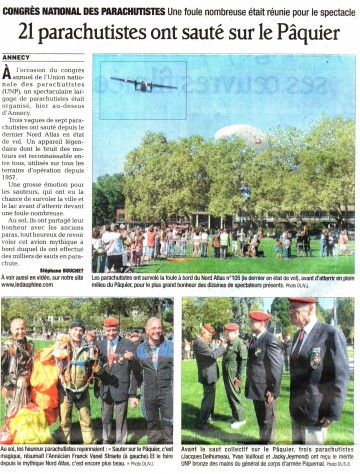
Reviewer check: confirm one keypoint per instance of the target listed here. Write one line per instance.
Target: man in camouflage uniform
(75, 377)
(233, 369)
(17, 358)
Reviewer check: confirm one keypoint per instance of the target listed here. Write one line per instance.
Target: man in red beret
(263, 374)
(233, 369)
(208, 372)
(119, 385)
(319, 373)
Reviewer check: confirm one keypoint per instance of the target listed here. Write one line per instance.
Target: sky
(326, 303)
(213, 91)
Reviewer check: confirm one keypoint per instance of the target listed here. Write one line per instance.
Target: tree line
(54, 314)
(220, 311)
(312, 170)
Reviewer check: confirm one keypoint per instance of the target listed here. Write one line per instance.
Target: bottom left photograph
(87, 371)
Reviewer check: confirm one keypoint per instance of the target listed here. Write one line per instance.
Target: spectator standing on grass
(278, 249)
(263, 375)
(286, 347)
(323, 238)
(300, 244)
(224, 243)
(287, 247)
(151, 235)
(170, 243)
(241, 238)
(234, 242)
(307, 248)
(157, 244)
(196, 244)
(204, 243)
(186, 349)
(139, 250)
(330, 245)
(98, 252)
(208, 372)
(343, 243)
(319, 374)
(183, 245)
(114, 250)
(335, 245)
(216, 244)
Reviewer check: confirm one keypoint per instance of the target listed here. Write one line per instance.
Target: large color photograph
(86, 371)
(223, 163)
(268, 371)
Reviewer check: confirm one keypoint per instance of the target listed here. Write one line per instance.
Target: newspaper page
(178, 228)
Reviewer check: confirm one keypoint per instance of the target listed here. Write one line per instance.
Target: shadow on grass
(155, 267)
(219, 433)
(136, 431)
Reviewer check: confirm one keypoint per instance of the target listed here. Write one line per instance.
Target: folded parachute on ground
(30, 426)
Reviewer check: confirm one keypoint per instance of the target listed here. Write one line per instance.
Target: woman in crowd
(98, 252)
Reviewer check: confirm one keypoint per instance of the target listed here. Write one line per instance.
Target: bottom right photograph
(268, 371)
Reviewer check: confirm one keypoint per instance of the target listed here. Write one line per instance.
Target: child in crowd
(133, 253)
(287, 246)
(183, 243)
(138, 251)
(278, 249)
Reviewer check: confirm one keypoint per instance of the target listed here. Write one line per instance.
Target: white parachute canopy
(253, 137)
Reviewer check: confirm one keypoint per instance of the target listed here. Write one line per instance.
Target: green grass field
(270, 264)
(341, 433)
(136, 422)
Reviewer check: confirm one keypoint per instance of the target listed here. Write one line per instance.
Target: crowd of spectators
(117, 247)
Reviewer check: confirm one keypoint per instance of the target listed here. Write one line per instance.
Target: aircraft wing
(162, 87)
(123, 80)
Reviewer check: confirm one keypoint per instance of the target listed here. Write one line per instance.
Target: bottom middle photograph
(269, 370)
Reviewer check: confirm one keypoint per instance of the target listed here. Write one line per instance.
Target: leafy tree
(274, 175)
(147, 179)
(189, 171)
(44, 314)
(216, 311)
(24, 308)
(57, 313)
(131, 312)
(108, 197)
(191, 318)
(345, 310)
(198, 311)
(328, 166)
(241, 308)
(312, 170)
(226, 168)
(165, 178)
(280, 313)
